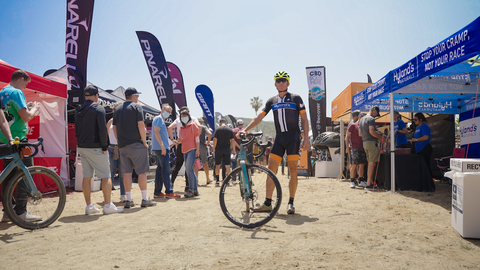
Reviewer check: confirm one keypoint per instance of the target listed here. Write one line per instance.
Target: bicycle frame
(17, 163)
(242, 157)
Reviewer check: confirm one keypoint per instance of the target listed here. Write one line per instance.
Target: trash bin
(465, 197)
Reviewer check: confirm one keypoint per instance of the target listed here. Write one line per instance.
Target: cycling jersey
(286, 112)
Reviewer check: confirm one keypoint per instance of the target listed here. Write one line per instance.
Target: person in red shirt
(354, 147)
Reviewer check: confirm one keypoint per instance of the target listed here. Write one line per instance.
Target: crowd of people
(363, 141)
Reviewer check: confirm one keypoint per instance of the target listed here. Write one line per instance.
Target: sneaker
(290, 209)
(129, 204)
(189, 194)
(371, 187)
(148, 202)
(352, 184)
(217, 183)
(111, 209)
(90, 209)
(172, 195)
(161, 195)
(195, 193)
(123, 198)
(362, 184)
(5, 218)
(209, 181)
(27, 216)
(186, 189)
(262, 208)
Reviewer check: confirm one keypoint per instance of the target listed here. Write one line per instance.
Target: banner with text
(157, 66)
(317, 99)
(79, 24)
(177, 85)
(205, 97)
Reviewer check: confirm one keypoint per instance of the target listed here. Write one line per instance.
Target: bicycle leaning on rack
(46, 204)
(237, 201)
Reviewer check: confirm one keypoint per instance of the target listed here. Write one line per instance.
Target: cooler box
(329, 169)
(96, 183)
(466, 197)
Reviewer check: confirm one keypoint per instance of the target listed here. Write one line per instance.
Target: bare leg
(371, 169)
(361, 170)
(142, 181)
(353, 170)
(227, 169)
(127, 181)
(106, 188)
(273, 166)
(87, 189)
(205, 168)
(292, 185)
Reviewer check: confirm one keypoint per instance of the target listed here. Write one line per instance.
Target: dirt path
(335, 227)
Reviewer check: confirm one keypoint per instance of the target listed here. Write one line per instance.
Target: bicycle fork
(245, 188)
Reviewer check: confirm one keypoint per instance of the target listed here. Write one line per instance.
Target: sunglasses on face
(281, 80)
(415, 120)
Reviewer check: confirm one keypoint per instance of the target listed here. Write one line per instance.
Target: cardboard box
(465, 164)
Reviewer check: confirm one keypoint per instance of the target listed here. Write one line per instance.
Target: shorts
(203, 153)
(93, 159)
(358, 156)
(134, 156)
(222, 154)
(286, 142)
(372, 151)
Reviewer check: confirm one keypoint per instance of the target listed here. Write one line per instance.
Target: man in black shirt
(129, 129)
(223, 140)
(286, 109)
(92, 141)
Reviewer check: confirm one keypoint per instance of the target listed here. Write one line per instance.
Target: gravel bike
(24, 186)
(237, 201)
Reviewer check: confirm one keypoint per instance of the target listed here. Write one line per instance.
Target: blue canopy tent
(442, 79)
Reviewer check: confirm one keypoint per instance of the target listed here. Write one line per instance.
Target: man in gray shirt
(370, 136)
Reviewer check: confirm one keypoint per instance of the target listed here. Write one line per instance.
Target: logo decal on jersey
(284, 105)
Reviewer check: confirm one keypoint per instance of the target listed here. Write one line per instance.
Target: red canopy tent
(51, 124)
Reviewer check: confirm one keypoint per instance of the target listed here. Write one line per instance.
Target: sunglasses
(281, 80)
(415, 120)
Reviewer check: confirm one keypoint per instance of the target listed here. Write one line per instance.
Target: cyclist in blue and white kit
(286, 107)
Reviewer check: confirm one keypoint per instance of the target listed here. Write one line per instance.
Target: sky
(235, 47)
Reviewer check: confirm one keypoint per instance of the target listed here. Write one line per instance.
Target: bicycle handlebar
(35, 145)
(253, 139)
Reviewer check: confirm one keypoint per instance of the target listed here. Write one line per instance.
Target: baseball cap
(376, 109)
(239, 122)
(131, 91)
(223, 120)
(356, 113)
(90, 90)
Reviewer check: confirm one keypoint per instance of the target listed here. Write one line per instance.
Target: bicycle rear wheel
(236, 205)
(47, 205)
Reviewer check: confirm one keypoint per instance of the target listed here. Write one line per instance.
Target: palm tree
(256, 103)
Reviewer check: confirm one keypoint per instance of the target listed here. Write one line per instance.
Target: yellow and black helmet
(282, 74)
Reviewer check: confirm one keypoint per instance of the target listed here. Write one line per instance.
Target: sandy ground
(335, 227)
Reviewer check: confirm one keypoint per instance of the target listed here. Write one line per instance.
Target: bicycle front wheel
(41, 209)
(237, 205)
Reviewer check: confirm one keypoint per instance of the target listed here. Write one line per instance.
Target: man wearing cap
(92, 141)
(223, 140)
(400, 131)
(129, 129)
(370, 136)
(203, 148)
(354, 146)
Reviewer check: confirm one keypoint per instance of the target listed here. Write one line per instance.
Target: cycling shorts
(222, 154)
(288, 142)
